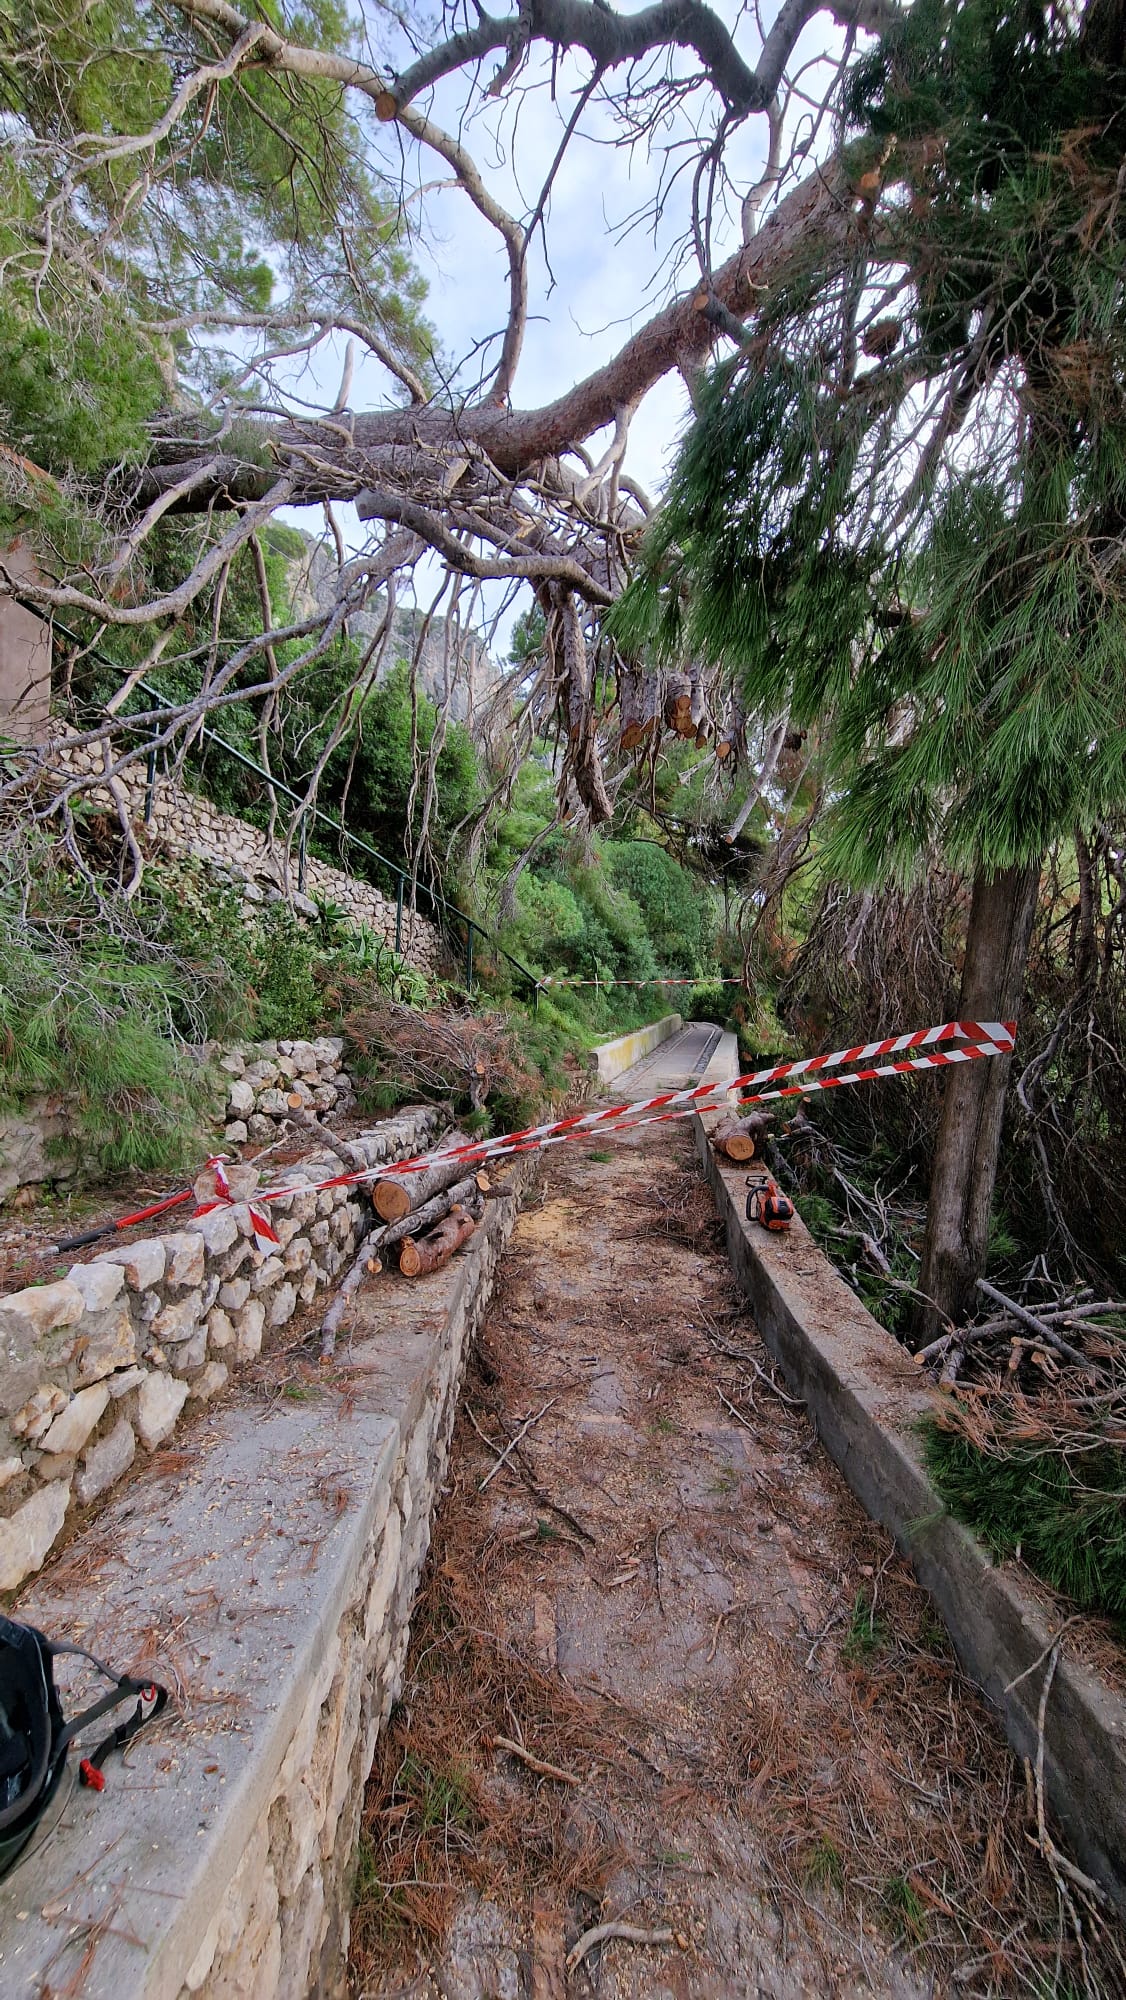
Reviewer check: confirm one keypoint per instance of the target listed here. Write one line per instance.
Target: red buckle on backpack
(89, 1774)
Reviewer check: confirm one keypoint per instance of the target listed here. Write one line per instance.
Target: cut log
(733, 1139)
(399, 1194)
(463, 1194)
(418, 1259)
(742, 1138)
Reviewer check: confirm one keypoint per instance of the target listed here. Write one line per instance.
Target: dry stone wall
(104, 1362)
(187, 826)
(268, 1084)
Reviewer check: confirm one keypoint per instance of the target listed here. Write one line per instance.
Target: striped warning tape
(736, 979)
(864, 1063)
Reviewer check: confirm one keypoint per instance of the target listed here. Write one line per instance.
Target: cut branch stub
(678, 705)
(638, 703)
(400, 1193)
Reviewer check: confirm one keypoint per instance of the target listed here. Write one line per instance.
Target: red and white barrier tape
(913, 1054)
(555, 984)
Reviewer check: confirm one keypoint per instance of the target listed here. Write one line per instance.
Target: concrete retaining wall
(611, 1058)
(270, 1580)
(865, 1396)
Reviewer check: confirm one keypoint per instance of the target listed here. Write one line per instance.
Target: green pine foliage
(953, 625)
(1064, 1511)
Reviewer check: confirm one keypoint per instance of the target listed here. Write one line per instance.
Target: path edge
(864, 1397)
(611, 1059)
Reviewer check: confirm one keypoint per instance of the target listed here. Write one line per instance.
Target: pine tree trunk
(969, 1131)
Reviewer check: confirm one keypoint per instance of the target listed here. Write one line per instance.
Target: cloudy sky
(607, 275)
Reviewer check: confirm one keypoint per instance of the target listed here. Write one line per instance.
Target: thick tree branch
(611, 39)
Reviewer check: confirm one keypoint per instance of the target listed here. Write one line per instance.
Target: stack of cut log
(423, 1217)
(443, 1199)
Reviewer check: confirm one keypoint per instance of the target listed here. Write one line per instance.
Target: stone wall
(269, 1084)
(277, 1567)
(107, 1358)
(183, 824)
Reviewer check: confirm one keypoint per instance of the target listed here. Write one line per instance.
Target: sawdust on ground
(758, 1739)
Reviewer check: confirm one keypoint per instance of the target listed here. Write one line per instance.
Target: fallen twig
(538, 1764)
(601, 1932)
(1028, 1319)
(514, 1441)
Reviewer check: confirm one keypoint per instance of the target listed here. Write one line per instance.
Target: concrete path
(675, 1065)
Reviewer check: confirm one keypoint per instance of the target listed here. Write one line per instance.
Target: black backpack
(34, 1738)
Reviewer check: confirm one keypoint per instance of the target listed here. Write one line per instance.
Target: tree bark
(969, 1132)
(418, 1259)
(399, 1194)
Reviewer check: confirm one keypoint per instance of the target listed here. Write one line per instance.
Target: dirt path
(760, 1741)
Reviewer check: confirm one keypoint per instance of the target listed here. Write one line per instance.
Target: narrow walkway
(665, 1673)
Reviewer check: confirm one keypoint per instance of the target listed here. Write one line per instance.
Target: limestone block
(191, 1354)
(282, 1305)
(233, 1063)
(249, 1325)
(324, 1096)
(236, 1133)
(325, 1202)
(10, 1468)
(161, 1399)
(240, 1097)
(209, 1382)
(143, 1263)
(185, 1258)
(179, 1319)
(234, 1294)
(307, 1289)
(121, 1385)
(220, 1329)
(272, 1104)
(297, 1256)
(236, 1260)
(304, 1057)
(219, 1231)
(28, 1317)
(262, 1074)
(270, 1273)
(319, 1233)
(329, 1048)
(110, 1344)
(73, 1425)
(27, 1535)
(286, 1229)
(106, 1462)
(304, 1208)
(39, 1413)
(151, 1304)
(259, 1128)
(98, 1283)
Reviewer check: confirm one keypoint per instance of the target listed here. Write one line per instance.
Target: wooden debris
(629, 1933)
(398, 1194)
(417, 1259)
(515, 1440)
(538, 1764)
(463, 1194)
(363, 1265)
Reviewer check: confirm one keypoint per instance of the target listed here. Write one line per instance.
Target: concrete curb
(865, 1398)
(611, 1058)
